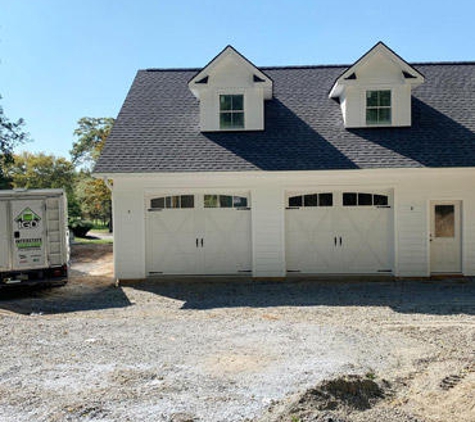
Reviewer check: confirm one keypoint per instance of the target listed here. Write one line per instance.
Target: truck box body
(34, 244)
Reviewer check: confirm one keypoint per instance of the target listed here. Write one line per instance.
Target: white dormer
(376, 90)
(231, 91)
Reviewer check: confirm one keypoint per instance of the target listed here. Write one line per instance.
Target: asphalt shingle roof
(157, 129)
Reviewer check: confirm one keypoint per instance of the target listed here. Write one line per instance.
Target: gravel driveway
(225, 351)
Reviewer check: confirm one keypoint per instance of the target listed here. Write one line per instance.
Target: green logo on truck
(28, 219)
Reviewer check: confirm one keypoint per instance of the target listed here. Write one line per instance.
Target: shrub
(80, 227)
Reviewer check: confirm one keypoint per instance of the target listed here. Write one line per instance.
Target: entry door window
(445, 239)
(444, 221)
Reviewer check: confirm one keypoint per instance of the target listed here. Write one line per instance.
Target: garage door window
(361, 199)
(225, 201)
(175, 201)
(312, 200)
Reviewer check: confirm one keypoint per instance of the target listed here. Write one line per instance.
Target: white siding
(253, 108)
(413, 190)
(379, 73)
(412, 237)
(231, 76)
(129, 234)
(268, 232)
(468, 235)
(354, 108)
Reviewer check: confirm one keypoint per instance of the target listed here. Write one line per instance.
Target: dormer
(376, 90)
(231, 91)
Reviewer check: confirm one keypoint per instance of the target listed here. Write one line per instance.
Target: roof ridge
(316, 66)
(443, 63)
(170, 69)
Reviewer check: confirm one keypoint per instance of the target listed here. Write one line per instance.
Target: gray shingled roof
(157, 129)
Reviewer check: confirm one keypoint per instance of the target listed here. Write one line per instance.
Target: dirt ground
(208, 350)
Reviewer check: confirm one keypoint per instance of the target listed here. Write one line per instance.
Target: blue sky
(61, 60)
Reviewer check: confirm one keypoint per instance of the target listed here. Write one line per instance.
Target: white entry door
(445, 237)
(198, 234)
(339, 233)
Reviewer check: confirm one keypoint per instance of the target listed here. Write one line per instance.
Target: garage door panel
(340, 239)
(171, 242)
(365, 238)
(362, 255)
(227, 237)
(199, 239)
(319, 256)
(309, 238)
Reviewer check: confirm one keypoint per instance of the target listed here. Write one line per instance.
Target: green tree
(94, 197)
(43, 171)
(93, 194)
(91, 136)
(11, 135)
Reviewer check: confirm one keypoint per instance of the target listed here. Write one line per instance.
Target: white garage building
(274, 171)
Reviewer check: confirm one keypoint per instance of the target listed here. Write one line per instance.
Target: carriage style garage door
(339, 232)
(198, 234)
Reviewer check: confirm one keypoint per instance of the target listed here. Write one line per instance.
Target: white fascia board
(284, 174)
(336, 90)
(379, 48)
(241, 60)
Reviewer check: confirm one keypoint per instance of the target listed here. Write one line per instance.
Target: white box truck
(34, 242)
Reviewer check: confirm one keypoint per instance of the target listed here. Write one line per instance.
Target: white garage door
(339, 233)
(198, 234)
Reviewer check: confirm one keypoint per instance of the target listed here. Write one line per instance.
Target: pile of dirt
(343, 399)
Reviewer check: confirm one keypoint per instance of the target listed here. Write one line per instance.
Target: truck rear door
(4, 237)
(28, 231)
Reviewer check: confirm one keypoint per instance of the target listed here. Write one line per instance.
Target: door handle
(334, 240)
(196, 242)
(201, 242)
(340, 240)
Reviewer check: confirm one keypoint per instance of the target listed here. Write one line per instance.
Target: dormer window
(231, 111)
(378, 107)
(232, 92)
(376, 90)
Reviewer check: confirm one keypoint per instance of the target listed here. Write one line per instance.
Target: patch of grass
(100, 229)
(86, 241)
(370, 375)
(99, 225)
